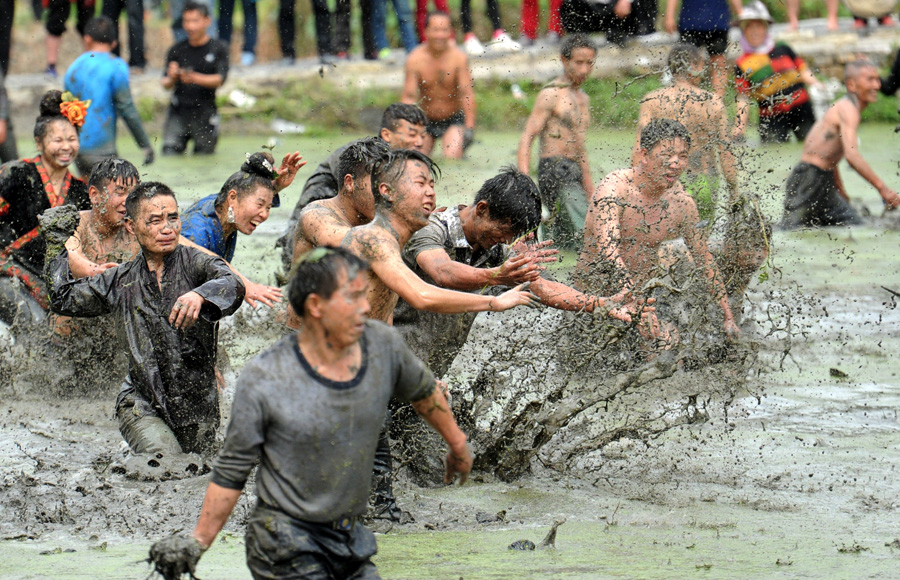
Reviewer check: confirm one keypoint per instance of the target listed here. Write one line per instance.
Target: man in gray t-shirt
(310, 409)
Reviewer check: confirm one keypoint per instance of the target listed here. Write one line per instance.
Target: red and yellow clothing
(25, 193)
(772, 80)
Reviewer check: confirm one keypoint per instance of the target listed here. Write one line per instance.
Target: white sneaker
(473, 47)
(503, 43)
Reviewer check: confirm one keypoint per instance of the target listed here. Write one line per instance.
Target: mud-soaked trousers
(285, 548)
(813, 199)
(563, 195)
(147, 433)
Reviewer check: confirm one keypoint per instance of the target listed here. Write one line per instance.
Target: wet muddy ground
(799, 482)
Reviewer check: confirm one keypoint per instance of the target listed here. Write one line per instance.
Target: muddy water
(800, 482)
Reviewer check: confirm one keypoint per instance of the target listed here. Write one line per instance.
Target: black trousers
(581, 16)
(134, 9)
(7, 11)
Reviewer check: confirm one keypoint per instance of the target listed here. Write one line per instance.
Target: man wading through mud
(167, 302)
(403, 183)
(309, 410)
(815, 191)
(561, 116)
(703, 114)
(635, 210)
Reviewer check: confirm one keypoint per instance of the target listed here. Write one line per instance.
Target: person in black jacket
(167, 303)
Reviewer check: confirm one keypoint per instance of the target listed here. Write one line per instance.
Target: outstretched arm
(268, 295)
(849, 117)
(410, 84)
(517, 269)
(383, 255)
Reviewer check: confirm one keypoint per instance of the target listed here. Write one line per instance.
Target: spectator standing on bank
(705, 23)
(530, 22)
(195, 68)
(422, 14)
(7, 13)
(404, 23)
(226, 12)
(775, 77)
(101, 77)
(57, 13)
(8, 150)
(500, 40)
(793, 12)
(134, 9)
(618, 19)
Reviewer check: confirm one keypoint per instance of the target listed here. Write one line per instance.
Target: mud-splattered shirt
(200, 224)
(315, 438)
(172, 372)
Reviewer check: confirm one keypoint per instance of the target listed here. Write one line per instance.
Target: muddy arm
(217, 506)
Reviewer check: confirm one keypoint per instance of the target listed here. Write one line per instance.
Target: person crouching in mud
(310, 409)
(635, 210)
(167, 302)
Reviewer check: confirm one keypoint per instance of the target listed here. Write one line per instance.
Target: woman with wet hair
(241, 205)
(28, 187)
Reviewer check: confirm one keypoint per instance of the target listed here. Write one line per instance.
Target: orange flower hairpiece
(73, 109)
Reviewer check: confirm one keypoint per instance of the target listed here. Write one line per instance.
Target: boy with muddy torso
(815, 192)
(438, 78)
(635, 210)
(703, 114)
(561, 117)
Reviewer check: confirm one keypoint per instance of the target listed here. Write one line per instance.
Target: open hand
(518, 296)
(186, 310)
(458, 463)
(291, 163)
(268, 295)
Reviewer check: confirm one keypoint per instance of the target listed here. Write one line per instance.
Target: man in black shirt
(195, 68)
(167, 303)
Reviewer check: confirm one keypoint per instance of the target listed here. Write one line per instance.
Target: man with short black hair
(340, 369)
(101, 77)
(402, 127)
(167, 303)
(195, 68)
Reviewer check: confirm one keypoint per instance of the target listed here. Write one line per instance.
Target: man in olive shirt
(310, 409)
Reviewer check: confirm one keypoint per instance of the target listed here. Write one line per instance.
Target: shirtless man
(325, 222)
(438, 78)
(635, 210)
(703, 114)
(403, 183)
(402, 127)
(815, 191)
(101, 240)
(561, 117)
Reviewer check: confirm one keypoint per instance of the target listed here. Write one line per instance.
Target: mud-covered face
(157, 225)
(59, 145)
(405, 136)
(755, 32)
(438, 31)
(578, 68)
(109, 202)
(345, 312)
(488, 232)
(413, 194)
(666, 161)
(252, 209)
